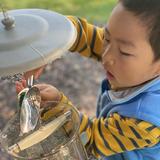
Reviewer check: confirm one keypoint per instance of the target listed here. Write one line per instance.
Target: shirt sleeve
(117, 134)
(112, 135)
(89, 40)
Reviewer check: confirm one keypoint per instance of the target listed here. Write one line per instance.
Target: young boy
(127, 122)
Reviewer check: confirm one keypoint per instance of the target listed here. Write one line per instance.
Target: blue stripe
(119, 128)
(83, 48)
(134, 143)
(118, 141)
(93, 44)
(135, 133)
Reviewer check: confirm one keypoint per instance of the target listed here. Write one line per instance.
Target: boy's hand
(35, 72)
(20, 85)
(48, 92)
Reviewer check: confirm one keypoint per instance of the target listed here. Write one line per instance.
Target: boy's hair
(149, 12)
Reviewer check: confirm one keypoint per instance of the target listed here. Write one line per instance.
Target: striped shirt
(89, 41)
(116, 134)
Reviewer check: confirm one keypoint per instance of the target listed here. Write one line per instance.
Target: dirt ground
(77, 77)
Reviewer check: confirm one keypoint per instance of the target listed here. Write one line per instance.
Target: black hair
(149, 12)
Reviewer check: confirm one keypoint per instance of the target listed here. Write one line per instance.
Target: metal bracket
(8, 21)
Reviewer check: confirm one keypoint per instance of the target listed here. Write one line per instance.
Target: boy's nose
(107, 63)
(108, 59)
(111, 62)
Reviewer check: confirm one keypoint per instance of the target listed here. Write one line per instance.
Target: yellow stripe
(126, 130)
(144, 125)
(125, 123)
(155, 132)
(114, 142)
(98, 48)
(99, 141)
(129, 123)
(87, 36)
(142, 133)
(89, 133)
(74, 21)
(113, 129)
(83, 123)
(153, 143)
(56, 110)
(110, 139)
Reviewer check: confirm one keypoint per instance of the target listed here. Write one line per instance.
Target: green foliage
(93, 10)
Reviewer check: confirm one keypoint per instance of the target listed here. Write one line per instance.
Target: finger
(50, 96)
(24, 83)
(39, 72)
(28, 74)
(19, 87)
(45, 96)
(41, 86)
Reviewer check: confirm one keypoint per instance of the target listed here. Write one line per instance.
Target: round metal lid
(37, 37)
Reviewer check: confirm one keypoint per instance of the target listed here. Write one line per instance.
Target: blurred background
(77, 77)
(93, 10)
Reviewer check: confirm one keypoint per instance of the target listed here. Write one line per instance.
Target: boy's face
(128, 57)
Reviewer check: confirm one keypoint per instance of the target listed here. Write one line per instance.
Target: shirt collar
(127, 94)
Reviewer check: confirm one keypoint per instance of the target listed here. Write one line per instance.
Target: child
(127, 122)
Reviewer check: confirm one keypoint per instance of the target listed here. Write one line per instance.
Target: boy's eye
(125, 54)
(106, 38)
(106, 42)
